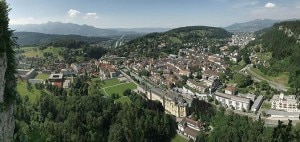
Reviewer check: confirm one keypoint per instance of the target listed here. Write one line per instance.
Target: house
(235, 102)
(197, 86)
(257, 103)
(286, 103)
(56, 79)
(230, 90)
(190, 128)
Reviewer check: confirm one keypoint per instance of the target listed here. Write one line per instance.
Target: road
(246, 70)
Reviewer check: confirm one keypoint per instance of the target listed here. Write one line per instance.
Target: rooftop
(232, 97)
(56, 76)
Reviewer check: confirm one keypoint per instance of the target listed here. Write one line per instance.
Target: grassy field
(179, 139)
(266, 105)
(106, 83)
(42, 76)
(123, 100)
(264, 56)
(35, 52)
(114, 86)
(238, 66)
(282, 78)
(119, 89)
(23, 91)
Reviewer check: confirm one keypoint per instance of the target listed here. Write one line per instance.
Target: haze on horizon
(150, 13)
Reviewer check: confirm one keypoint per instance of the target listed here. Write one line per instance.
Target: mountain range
(251, 26)
(59, 28)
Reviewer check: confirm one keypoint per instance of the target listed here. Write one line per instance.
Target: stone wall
(6, 115)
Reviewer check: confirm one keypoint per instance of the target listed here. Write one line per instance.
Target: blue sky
(150, 13)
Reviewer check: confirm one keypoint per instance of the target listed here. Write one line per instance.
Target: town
(174, 81)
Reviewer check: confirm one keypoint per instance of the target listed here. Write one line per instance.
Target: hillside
(251, 26)
(31, 39)
(282, 42)
(157, 44)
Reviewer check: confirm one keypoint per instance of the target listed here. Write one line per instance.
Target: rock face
(6, 113)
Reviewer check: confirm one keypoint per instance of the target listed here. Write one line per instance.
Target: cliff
(6, 113)
(7, 77)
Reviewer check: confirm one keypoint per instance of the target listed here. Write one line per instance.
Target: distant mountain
(143, 30)
(251, 26)
(31, 38)
(59, 28)
(160, 44)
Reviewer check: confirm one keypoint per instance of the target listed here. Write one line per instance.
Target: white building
(286, 103)
(257, 103)
(232, 101)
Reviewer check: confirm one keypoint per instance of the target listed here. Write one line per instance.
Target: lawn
(178, 138)
(124, 100)
(264, 56)
(266, 105)
(42, 76)
(23, 91)
(106, 83)
(120, 88)
(35, 52)
(282, 78)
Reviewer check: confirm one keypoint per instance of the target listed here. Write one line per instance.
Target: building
(231, 101)
(286, 103)
(257, 103)
(66, 84)
(56, 79)
(200, 87)
(173, 103)
(26, 74)
(35, 81)
(283, 115)
(190, 128)
(230, 90)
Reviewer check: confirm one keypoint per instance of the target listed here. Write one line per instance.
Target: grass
(266, 105)
(106, 83)
(238, 66)
(178, 138)
(23, 91)
(114, 86)
(42, 76)
(282, 78)
(264, 56)
(120, 88)
(35, 52)
(176, 40)
(124, 100)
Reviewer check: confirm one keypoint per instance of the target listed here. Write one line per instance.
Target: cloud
(270, 5)
(91, 15)
(73, 13)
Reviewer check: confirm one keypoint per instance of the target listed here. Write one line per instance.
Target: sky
(150, 13)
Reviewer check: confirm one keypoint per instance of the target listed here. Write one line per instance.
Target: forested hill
(283, 41)
(157, 44)
(31, 38)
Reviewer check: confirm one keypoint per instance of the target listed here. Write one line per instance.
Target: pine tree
(7, 75)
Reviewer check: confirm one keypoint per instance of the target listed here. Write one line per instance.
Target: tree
(127, 92)
(29, 86)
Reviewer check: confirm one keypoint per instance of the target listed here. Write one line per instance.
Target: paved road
(246, 70)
